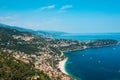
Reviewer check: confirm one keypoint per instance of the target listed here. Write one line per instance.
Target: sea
(94, 63)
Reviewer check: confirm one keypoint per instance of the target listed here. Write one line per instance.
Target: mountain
(38, 32)
(49, 33)
(17, 28)
(25, 56)
(15, 63)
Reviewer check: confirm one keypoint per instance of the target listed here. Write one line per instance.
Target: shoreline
(62, 66)
(62, 63)
(85, 47)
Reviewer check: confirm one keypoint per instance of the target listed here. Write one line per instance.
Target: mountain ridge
(42, 53)
(43, 33)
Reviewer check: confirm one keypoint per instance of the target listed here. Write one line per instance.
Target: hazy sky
(77, 16)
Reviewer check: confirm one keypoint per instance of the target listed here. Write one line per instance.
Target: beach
(62, 66)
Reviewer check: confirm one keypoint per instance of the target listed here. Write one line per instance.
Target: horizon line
(61, 31)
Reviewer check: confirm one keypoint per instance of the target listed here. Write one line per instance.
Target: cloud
(47, 7)
(6, 18)
(9, 19)
(66, 7)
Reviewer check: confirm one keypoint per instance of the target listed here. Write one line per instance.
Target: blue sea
(90, 36)
(94, 63)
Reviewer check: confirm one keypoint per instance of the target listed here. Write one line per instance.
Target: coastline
(62, 66)
(62, 63)
(85, 47)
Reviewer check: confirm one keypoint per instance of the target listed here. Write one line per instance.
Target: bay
(94, 63)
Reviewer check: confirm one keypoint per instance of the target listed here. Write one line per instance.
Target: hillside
(13, 69)
(31, 50)
(40, 54)
(36, 32)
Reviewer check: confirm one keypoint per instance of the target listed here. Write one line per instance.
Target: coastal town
(45, 54)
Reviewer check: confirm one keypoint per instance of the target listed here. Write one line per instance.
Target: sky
(74, 16)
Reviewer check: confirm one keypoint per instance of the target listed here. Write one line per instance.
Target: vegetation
(7, 41)
(12, 69)
(55, 50)
(101, 43)
(17, 48)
